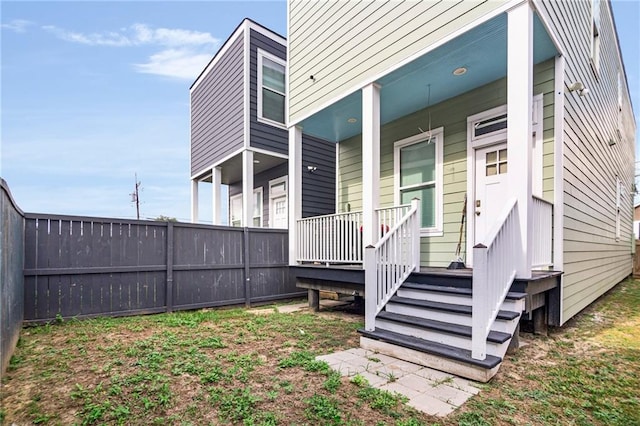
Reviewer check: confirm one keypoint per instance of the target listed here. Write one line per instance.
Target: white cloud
(178, 63)
(185, 52)
(17, 25)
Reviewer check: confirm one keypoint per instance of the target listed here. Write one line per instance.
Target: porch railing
(333, 238)
(493, 272)
(387, 217)
(390, 261)
(542, 232)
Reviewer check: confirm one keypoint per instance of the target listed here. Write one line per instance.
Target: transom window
(271, 88)
(418, 171)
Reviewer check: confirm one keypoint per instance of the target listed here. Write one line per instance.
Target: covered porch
(464, 130)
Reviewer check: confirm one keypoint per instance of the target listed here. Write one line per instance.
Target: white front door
(278, 205)
(490, 188)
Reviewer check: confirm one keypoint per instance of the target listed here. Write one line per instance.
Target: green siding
(452, 115)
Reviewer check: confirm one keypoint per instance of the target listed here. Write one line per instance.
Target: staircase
(428, 322)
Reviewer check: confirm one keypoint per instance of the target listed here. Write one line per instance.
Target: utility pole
(135, 197)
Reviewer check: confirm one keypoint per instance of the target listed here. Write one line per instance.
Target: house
(239, 139)
(636, 221)
(498, 134)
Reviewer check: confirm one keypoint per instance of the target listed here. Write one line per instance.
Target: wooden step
(455, 335)
(463, 296)
(506, 321)
(430, 354)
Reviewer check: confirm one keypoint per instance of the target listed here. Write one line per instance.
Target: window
(271, 88)
(235, 210)
(418, 172)
(595, 36)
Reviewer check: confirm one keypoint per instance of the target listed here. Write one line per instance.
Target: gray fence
(84, 267)
(11, 278)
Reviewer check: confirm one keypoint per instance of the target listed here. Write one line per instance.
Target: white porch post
(519, 111)
(370, 162)
(216, 193)
(194, 200)
(295, 190)
(247, 188)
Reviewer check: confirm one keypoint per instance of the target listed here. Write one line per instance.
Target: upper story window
(595, 35)
(271, 88)
(418, 171)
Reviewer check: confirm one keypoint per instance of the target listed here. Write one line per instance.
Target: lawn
(228, 366)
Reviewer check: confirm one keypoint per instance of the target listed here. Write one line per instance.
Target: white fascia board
(266, 32)
(218, 56)
(270, 153)
(201, 174)
(544, 18)
(505, 7)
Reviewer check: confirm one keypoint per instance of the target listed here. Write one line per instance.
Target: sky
(93, 93)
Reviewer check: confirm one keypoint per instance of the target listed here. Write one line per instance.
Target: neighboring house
(636, 221)
(521, 108)
(239, 138)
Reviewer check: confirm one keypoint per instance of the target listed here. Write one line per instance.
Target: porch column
(216, 193)
(194, 200)
(519, 127)
(370, 162)
(295, 190)
(247, 188)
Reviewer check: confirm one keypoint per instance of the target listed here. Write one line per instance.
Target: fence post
(370, 288)
(169, 286)
(415, 238)
(247, 270)
(478, 314)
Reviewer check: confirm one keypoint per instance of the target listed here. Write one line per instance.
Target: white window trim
(231, 198)
(263, 54)
(595, 25)
(438, 135)
(258, 190)
(273, 183)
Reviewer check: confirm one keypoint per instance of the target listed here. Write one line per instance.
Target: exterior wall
(319, 187)
(217, 122)
(594, 260)
(346, 44)
(265, 136)
(452, 115)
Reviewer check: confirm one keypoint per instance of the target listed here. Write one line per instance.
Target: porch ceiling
(232, 168)
(482, 51)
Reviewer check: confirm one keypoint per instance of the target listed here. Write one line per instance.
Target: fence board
(84, 267)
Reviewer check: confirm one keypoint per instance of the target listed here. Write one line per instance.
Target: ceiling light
(256, 161)
(460, 71)
(351, 120)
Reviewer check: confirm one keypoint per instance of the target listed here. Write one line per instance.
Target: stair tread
(512, 295)
(461, 330)
(426, 346)
(450, 307)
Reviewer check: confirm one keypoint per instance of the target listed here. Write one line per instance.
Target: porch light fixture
(256, 161)
(312, 169)
(351, 120)
(579, 87)
(460, 71)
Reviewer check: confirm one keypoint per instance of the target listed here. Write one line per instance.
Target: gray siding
(11, 278)
(217, 110)
(261, 180)
(265, 136)
(594, 260)
(343, 44)
(319, 187)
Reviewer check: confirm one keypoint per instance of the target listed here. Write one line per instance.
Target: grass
(231, 367)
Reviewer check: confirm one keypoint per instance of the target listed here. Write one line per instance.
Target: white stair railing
(333, 238)
(387, 217)
(494, 269)
(542, 231)
(389, 262)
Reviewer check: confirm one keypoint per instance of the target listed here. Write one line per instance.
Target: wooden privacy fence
(85, 267)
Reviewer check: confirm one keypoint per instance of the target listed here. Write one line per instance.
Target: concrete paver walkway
(430, 391)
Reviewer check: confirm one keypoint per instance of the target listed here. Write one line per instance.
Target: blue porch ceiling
(482, 51)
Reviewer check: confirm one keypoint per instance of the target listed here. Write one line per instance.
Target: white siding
(594, 260)
(346, 43)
